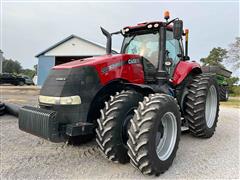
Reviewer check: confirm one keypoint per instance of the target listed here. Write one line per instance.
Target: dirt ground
(24, 156)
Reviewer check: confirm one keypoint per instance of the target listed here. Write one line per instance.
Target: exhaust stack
(109, 40)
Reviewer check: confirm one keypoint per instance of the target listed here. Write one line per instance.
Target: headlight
(70, 100)
(149, 26)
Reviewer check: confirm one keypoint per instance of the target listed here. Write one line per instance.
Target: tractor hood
(90, 74)
(102, 61)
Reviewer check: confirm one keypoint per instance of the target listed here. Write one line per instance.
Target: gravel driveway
(29, 157)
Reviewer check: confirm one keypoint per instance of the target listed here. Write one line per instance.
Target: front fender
(142, 88)
(183, 69)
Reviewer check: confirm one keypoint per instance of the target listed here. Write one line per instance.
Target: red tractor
(135, 102)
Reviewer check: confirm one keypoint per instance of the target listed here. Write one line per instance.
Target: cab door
(173, 51)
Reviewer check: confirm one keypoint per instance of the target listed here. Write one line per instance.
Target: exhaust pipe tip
(109, 40)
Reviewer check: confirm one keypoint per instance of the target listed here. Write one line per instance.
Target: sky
(29, 27)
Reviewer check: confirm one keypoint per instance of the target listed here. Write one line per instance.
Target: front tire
(111, 133)
(154, 134)
(202, 106)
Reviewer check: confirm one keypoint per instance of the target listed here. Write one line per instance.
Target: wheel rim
(211, 106)
(166, 136)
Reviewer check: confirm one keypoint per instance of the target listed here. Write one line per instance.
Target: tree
(234, 54)
(215, 57)
(232, 81)
(28, 72)
(35, 67)
(233, 87)
(11, 66)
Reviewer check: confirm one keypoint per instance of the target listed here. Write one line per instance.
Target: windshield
(146, 45)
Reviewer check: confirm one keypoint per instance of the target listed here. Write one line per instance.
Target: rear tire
(2, 108)
(223, 93)
(154, 134)
(202, 106)
(111, 133)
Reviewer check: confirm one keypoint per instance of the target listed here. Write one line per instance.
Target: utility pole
(1, 60)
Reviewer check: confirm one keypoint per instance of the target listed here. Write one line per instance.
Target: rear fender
(183, 69)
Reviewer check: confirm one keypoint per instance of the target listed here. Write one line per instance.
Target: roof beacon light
(166, 15)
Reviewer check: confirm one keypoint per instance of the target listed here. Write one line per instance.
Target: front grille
(39, 122)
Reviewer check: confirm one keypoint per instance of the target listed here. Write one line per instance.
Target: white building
(71, 48)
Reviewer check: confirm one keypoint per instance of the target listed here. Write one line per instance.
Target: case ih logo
(133, 61)
(119, 64)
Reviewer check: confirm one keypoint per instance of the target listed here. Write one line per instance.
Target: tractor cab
(144, 40)
(158, 43)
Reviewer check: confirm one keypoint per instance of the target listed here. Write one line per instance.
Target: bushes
(234, 90)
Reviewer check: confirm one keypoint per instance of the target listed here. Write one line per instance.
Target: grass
(232, 102)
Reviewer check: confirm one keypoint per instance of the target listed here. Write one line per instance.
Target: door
(173, 50)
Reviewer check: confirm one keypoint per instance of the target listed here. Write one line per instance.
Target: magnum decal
(118, 64)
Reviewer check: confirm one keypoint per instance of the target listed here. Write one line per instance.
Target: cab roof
(152, 25)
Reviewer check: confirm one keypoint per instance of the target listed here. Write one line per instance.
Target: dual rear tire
(111, 133)
(154, 134)
(147, 130)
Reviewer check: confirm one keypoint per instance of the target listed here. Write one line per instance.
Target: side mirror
(177, 29)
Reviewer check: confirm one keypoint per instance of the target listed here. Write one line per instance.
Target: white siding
(75, 47)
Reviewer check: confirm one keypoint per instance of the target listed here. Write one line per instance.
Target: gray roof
(66, 39)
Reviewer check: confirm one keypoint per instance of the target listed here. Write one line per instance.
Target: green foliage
(232, 80)
(235, 90)
(14, 67)
(35, 67)
(11, 66)
(28, 72)
(234, 54)
(215, 57)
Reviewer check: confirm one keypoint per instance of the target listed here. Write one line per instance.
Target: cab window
(173, 49)
(146, 45)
